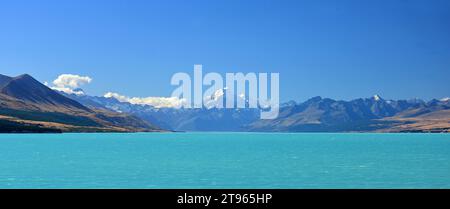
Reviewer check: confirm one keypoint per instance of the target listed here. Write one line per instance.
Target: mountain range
(181, 119)
(27, 105)
(361, 115)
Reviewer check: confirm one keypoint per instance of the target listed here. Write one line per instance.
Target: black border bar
(168, 198)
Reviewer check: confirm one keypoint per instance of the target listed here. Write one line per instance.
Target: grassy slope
(7, 126)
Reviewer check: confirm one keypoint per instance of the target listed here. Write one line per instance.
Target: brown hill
(25, 103)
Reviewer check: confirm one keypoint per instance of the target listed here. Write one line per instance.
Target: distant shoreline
(265, 132)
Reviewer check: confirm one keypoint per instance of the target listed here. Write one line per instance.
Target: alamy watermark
(250, 90)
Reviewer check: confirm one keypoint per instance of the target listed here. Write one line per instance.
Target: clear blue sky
(337, 49)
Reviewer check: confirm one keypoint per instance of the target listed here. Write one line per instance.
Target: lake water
(225, 160)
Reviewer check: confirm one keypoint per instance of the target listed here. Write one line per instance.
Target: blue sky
(337, 49)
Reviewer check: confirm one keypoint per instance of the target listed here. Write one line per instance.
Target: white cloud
(69, 83)
(446, 99)
(116, 96)
(68, 90)
(157, 102)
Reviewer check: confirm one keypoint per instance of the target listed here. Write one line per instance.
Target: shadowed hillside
(26, 105)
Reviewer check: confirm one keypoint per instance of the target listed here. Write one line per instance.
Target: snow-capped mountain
(315, 114)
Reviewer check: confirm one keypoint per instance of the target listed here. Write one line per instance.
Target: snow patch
(376, 97)
(446, 99)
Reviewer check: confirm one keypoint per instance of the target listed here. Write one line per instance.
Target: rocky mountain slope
(26, 105)
(372, 114)
(177, 119)
(315, 115)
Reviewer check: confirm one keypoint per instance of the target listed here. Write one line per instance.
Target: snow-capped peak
(446, 99)
(217, 94)
(376, 97)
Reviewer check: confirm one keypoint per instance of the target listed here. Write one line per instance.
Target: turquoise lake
(225, 160)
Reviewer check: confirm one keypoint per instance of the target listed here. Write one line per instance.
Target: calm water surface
(224, 160)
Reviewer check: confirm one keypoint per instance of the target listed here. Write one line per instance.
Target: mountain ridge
(373, 114)
(28, 89)
(26, 105)
(370, 114)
